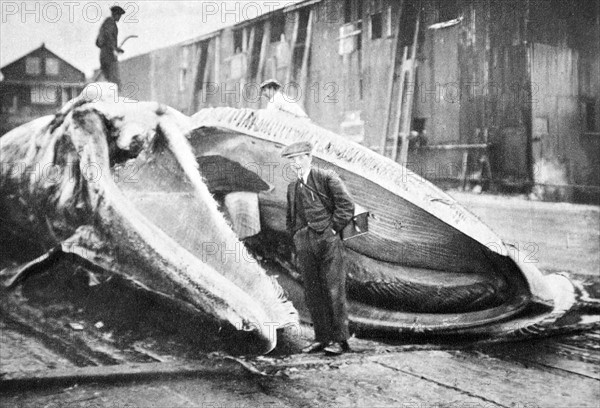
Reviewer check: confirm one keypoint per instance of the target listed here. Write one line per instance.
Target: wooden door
(441, 90)
(555, 121)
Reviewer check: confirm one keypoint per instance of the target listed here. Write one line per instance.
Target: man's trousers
(319, 259)
(109, 65)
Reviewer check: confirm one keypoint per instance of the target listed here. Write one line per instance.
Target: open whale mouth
(427, 265)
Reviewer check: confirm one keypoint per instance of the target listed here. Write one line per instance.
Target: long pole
(407, 111)
(386, 131)
(305, 57)
(396, 127)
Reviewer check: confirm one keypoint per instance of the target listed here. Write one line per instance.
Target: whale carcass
(78, 184)
(135, 189)
(427, 265)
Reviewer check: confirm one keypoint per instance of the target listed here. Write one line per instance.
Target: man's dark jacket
(107, 37)
(322, 204)
(332, 207)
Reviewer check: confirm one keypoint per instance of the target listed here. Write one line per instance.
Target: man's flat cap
(117, 10)
(296, 149)
(270, 82)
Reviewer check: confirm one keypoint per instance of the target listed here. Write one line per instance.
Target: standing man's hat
(270, 82)
(297, 149)
(117, 10)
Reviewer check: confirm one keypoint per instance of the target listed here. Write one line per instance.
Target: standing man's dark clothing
(318, 210)
(107, 42)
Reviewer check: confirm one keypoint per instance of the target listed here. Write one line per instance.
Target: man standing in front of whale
(319, 207)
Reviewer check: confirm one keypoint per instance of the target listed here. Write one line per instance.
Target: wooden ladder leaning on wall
(398, 122)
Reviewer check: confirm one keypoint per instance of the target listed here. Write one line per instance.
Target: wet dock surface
(372, 375)
(66, 343)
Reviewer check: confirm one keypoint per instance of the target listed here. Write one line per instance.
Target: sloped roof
(41, 47)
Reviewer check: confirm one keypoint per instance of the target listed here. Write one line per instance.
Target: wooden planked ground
(561, 371)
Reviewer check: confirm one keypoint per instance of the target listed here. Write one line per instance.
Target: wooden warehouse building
(505, 91)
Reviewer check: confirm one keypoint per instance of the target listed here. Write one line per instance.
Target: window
(44, 95)
(64, 95)
(350, 38)
(51, 66)
(32, 66)
(10, 104)
(376, 26)
(351, 32)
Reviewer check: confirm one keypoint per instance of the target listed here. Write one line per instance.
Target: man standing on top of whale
(109, 48)
(278, 101)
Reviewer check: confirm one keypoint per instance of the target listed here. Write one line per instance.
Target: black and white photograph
(301, 203)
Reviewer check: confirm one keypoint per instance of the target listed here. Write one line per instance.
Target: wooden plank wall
(566, 73)
(445, 105)
(374, 66)
(328, 93)
(491, 45)
(508, 107)
(473, 56)
(166, 78)
(586, 41)
(452, 74)
(135, 74)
